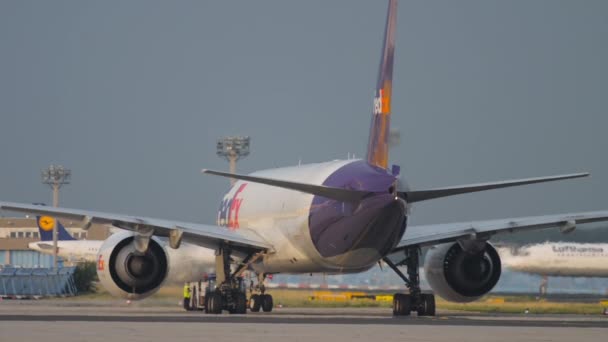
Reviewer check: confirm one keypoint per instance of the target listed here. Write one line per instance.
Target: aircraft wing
(210, 236)
(434, 234)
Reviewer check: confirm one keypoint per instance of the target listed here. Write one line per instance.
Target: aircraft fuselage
(313, 233)
(565, 259)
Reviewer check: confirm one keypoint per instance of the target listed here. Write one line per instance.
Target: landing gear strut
(230, 292)
(415, 300)
(260, 301)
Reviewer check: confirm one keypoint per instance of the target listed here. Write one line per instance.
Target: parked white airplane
(333, 217)
(189, 263)
(559, 259)
(68, 247)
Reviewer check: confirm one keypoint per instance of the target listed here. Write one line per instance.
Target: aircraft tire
(255, 303)
(267, 303)
(397, 304)
(240, 305)
(427, 307)
(215, 303)
(402, 304)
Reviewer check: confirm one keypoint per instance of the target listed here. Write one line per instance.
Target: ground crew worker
(187, 296)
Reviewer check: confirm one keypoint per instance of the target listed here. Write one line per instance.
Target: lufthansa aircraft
(333, 217)
(558, 259)
(68, 247)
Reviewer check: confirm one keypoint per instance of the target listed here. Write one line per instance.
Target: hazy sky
(132, 95)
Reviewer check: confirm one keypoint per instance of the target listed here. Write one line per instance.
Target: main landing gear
(403, 304)
(260, 301)
(229, 292)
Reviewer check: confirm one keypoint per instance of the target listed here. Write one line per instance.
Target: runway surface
(58, 320)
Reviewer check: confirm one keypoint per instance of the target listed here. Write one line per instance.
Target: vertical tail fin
(377, 147)
(45, 227)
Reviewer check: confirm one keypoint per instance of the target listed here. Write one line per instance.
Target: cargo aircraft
(333, 217)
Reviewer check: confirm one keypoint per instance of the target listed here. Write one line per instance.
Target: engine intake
(127, 273)
(138, 273)
(459, 275)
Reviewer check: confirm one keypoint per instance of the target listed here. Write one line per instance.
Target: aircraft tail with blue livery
(45, 227)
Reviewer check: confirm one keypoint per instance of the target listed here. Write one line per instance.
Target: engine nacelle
(459, 275)
(126, 273)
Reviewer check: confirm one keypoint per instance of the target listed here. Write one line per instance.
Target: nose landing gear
(260, 301)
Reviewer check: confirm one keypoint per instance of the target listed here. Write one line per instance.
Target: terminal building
(17, 232)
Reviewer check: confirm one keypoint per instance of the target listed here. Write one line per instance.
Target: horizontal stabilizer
(423, 195)
(338, 194)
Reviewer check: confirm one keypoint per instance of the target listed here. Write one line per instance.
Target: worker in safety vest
(187, 296)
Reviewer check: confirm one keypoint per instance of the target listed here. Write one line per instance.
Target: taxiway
(58, 320)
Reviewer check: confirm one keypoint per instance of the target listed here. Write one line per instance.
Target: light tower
(55, 176)
(233, 149)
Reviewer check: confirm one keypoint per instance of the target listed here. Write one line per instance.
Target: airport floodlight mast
(233, 149)
(55, 176)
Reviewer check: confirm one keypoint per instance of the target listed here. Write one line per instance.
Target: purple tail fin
(377, 147)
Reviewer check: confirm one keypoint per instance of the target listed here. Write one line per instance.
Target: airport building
(17, 232)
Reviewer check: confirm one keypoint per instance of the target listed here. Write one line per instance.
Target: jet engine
(127, 273)
(462, 274)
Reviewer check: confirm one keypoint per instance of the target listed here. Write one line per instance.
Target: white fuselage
(72, 250)
(558, 259)
(283, 218)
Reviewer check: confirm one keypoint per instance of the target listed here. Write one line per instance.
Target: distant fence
(36, 282)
